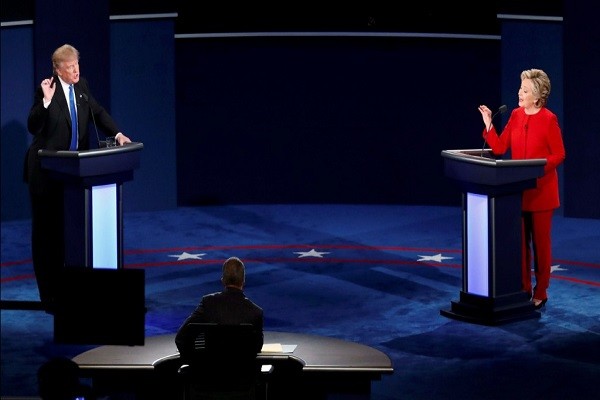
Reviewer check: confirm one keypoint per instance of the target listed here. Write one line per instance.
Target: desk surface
(315, 353)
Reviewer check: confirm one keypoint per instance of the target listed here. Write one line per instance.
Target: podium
(93, 181)
(491, 235)
(98, 302)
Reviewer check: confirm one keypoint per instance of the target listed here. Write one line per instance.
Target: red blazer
(533, 136)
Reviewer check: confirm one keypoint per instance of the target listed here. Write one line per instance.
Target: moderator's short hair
(541, 84)
(233, 272)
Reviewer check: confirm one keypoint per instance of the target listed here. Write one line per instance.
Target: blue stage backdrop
(303, 119)
(328, 119)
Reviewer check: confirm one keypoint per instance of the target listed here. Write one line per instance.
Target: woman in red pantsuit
(533, 131)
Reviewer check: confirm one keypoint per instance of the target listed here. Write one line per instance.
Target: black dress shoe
(540, 305)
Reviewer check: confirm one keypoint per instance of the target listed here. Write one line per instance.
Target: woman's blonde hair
(541, 84)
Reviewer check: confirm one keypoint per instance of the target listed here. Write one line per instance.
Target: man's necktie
(73, 119)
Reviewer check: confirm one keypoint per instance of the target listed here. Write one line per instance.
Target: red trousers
(537, 247)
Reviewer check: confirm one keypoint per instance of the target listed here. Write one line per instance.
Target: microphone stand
(85, 97)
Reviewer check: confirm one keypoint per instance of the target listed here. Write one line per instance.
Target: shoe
(539, 305)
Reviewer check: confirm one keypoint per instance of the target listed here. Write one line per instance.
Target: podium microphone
(501, 110)
(85, 97)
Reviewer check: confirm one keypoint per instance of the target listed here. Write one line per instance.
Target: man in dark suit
(228, 307)
(50, 122)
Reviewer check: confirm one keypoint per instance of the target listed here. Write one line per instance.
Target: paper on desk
(278, 348)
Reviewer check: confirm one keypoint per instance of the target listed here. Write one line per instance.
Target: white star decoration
(557, 268)
(319, 254)
(187, 256)
(553, 268)
(312, 253)
(436, 258)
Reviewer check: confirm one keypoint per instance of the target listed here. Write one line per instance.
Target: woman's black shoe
(540, 305)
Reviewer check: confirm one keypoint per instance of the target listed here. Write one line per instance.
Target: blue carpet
(369, 280)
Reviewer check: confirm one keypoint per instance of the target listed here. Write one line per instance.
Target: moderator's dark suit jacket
(51, 128)
(231, 307)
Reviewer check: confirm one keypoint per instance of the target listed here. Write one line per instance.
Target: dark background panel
(17, 95)
(328, 119)
(405, 17)
(82, 25)
(143, 102)
(582, 99)
(431, 16)
(307, 119)
(546, 54)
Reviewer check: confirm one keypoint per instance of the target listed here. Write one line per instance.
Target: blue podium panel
(105, 240)
(477, 281)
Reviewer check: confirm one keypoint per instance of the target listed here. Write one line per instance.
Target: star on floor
(312, 253)
(553, 268)
(557, 267)
(187, 256)
(436, 258)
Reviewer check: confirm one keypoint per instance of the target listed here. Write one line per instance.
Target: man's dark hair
(233, 272)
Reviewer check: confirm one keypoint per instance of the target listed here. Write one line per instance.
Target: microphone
(501, 110)
(85, 97)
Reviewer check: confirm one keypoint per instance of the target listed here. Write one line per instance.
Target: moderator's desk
(319, 367)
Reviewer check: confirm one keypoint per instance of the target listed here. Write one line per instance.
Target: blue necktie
(73, 119)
